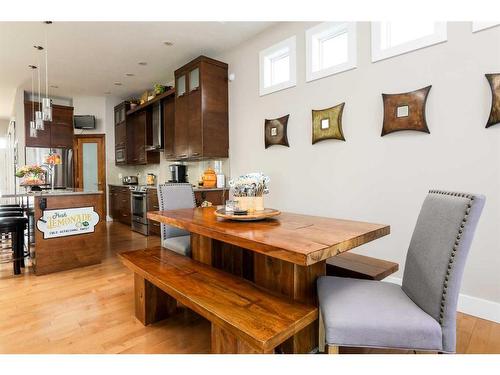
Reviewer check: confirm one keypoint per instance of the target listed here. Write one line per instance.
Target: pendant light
(39, 125)
(33, 131)
(47, 102)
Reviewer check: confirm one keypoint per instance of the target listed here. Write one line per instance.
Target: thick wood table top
(299, 239)
(262, 319)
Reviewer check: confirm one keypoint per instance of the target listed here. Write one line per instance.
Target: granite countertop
(50, 193)
(195, 188)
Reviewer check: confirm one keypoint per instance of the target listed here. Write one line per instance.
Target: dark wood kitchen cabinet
(61, 128)
(119, 204)
(139, 134)
(58, 133)
(201, 110)
(121, 132)
(169, 127)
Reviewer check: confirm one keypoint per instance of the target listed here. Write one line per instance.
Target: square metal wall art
(327, 124)
(276, 132)
(405, 111)
(494, 81)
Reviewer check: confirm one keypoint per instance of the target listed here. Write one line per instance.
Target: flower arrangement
(31, 174)
(248, 190)
(52, 159)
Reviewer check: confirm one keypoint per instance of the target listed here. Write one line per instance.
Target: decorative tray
(254, 216)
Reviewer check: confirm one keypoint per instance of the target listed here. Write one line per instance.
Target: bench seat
(245, 318)
(359, 267)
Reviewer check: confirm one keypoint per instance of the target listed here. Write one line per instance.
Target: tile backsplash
(195, 170)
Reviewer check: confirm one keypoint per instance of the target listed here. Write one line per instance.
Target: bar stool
(15, 225)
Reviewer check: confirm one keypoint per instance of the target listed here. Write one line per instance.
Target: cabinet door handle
(182, 156)
(196, 153)
(155, 224)
(157, 207)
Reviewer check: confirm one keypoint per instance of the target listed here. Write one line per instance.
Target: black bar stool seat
(11, 208)
(15, 225)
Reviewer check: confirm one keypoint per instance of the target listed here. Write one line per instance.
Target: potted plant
(159, 89)
(134, 102)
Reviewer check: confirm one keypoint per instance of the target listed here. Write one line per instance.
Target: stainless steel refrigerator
(63, 173)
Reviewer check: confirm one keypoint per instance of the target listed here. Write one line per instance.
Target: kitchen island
(69, 230)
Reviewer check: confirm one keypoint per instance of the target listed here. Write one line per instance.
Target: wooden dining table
(284, 255)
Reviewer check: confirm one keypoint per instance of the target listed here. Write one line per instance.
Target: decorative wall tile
(276, 132)
(405, 111)
(327, 124)
(494, 81)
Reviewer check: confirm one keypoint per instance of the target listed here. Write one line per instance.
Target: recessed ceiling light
(142, 63)
(129, 74)
(118, 83)
(38, 47)
(168, 44)
(54, 86)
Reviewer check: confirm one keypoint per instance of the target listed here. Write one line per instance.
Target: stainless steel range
(138, 201)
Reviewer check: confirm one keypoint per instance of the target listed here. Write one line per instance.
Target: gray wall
(368, 177)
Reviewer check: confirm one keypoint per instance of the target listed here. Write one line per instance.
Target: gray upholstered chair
(172, 196)
(420, 315)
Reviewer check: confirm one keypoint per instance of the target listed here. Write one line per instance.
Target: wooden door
(90, 163)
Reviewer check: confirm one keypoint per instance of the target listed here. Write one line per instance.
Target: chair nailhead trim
(470, 197)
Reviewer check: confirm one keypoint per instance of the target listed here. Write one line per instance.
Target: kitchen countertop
(50, 193)
(194, 188)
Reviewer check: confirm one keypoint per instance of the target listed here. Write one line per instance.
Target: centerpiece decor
(32, 176)
(52, 160)
(248, 190)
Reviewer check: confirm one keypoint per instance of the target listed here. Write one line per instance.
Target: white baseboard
(479, 307)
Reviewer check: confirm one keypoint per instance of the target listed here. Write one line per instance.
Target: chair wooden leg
(321, 336)
(333, 349)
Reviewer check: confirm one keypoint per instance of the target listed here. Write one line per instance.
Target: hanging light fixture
(47, 102)
(39, 125)
(33, 132)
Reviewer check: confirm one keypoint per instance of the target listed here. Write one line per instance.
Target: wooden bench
(359, 267)
(245, 318)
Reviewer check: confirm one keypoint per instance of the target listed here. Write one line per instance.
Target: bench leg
(151, 303)
(224, 342)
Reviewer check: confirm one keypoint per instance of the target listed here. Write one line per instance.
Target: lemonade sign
(68, 222)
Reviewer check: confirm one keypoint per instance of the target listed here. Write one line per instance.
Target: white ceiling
(86, 58)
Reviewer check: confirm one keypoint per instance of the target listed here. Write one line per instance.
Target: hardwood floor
(90, 310)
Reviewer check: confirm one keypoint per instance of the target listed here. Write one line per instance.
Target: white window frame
(479, 26)
(440, 35)
(291, 44)
(332, 29)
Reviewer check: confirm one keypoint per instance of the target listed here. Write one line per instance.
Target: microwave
(120, 155)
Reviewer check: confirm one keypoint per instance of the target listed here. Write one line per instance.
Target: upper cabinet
(58, 133)
(121, 132)
(201, 110)
(133, 134)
